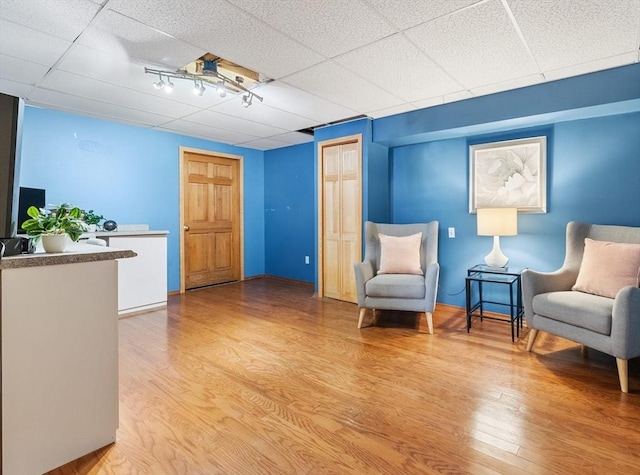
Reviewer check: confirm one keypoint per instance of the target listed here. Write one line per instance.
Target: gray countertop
(75, 253)
(101, 234)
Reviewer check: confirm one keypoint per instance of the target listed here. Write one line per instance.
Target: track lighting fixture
(223, 85)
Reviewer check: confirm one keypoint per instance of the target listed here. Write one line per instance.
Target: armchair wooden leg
(429, 322)
(533, 334)
(362, 312)
(623, 374)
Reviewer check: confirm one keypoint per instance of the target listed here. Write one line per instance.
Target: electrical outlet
(452, 233)
(306, 259)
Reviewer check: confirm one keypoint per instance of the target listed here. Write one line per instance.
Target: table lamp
(497, 222)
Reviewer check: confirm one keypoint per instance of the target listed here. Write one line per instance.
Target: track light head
(168, 87)
(159, 84)
(222, 92)
(198, 90)
(246, 100)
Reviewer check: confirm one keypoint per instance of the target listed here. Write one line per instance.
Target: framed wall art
(509, 174)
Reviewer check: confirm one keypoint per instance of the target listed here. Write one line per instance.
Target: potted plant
(91, 219)
(54, 225)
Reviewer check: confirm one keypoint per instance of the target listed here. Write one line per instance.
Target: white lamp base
(496, 258)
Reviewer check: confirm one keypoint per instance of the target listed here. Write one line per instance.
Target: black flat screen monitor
(28, 197)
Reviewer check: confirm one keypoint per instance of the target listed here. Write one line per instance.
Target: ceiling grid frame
(325, 72)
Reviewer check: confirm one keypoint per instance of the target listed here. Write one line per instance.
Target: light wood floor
(263, 378)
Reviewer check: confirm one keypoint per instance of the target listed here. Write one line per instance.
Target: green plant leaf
(33, 212)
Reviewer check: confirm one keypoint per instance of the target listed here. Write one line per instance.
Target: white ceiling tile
(335, 83)
(457, 96)
(31, 45)
(477, 45)
(391, 111)
(599, 65)
(319, 26)
(259, 112)
(575, 31)
(240, 38)
(508, 85)
(119, 35)
(407, 13)
(64, 19)
(16, 89)
(293, 138)
(92, 63)
(396, 65)
(264, 144)
(228, 122)
(93, 115)
(63, 81)
(82, 104)
(206, 132)
(432, 101)
(290, 99)
(21, 71)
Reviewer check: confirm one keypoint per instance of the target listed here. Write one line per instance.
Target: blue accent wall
(289, 212)
(593, 175)
(415, 169)
(131, 175)
(377, 183)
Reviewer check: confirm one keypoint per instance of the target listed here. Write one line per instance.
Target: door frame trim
(356, 138)
(209, 153)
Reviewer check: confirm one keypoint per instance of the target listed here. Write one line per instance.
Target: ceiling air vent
(311, 130)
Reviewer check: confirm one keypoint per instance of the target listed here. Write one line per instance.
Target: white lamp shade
(497, 221)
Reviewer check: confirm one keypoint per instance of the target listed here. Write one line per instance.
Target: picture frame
(509, 174)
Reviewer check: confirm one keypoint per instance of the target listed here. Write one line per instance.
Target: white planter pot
(54, 242)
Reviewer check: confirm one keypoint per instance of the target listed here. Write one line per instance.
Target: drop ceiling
(328, 60)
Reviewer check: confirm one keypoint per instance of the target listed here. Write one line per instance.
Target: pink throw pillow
(400, 254)
(607, 267)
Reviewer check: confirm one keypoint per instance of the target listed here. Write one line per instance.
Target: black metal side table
(509, 276)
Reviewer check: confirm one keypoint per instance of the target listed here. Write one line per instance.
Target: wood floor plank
(262, 377)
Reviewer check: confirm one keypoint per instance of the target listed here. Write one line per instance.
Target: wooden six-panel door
(341, 219)
(211, 216)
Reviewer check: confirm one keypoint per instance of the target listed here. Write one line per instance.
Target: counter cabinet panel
(142, 280)
(59, 363)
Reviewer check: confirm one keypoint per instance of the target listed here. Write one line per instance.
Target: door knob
(186, 228)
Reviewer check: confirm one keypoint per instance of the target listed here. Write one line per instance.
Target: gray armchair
(609, 325)
(407, 292)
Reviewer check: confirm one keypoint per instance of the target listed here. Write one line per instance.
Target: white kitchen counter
(59, 356)
(142, 281)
